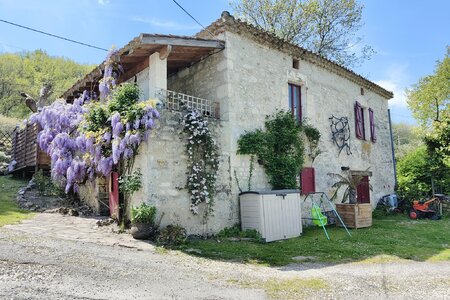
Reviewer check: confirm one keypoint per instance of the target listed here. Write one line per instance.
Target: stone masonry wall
(259, 85)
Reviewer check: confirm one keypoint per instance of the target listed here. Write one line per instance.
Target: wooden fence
(26, 151)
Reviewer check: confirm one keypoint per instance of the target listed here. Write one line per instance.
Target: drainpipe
(394, 163)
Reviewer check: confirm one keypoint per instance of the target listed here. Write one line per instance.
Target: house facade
(237, 75)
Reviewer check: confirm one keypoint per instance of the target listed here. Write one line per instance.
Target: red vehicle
(427, 209)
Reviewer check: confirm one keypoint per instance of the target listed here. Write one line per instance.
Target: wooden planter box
(355, 215)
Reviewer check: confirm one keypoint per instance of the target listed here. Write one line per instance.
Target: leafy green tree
(416, 172)
(430, 97)
(438, 140)
(327, 27)
(27, 72)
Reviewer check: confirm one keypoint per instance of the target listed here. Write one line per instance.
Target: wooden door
(363, 191)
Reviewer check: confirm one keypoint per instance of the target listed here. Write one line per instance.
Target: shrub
(235, 231)
(172, 235)
(279, 148)
(45, 185)
(144, 214)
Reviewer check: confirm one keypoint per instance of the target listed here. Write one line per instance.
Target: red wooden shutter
(114, 195)
(373, 136)
(359, 121)
(363, 191)
(308, 181)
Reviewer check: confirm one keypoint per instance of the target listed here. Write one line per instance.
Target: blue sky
(408, 36)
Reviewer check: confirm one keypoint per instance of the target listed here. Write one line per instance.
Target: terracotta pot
(141, 231)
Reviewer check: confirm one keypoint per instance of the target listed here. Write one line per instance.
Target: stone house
(237, 74)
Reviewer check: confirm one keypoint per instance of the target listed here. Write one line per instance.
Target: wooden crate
(355, 215)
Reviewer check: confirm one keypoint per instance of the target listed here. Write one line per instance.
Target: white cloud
(399, 92)
(103, 2)
(396, 81)
(166, 24)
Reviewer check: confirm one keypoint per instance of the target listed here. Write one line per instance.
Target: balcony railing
(176, 101)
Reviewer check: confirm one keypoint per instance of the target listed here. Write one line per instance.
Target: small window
(362, 91)
(295, 101)
(360, 129)
(295, 63)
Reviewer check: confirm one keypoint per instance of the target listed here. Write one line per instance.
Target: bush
(279, 148)
(416, 170)
(45, 185)
(235, 231)
(143, 214)
(172, 235)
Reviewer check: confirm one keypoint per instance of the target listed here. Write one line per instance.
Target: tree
(416, 172)
(28, 72)
(326, 27)
(438, 140)
(429, 98)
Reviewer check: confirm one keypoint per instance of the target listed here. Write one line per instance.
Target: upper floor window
(360, 122)
(295, 101)
(360, 129)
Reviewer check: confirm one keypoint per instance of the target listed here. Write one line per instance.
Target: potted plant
(143, 221)
(354, 215)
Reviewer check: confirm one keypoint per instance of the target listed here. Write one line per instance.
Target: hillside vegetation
(27, 72)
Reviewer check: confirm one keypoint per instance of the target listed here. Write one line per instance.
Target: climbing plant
(279, 148)
(203, 162)
(312, 136)
(91, 137)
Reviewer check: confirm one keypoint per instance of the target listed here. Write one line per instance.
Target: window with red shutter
(308, 181)
(373, 136)
(359, 121)
(295, 101)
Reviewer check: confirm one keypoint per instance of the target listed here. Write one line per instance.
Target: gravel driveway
(60, 257)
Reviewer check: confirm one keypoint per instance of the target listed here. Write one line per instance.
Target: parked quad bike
(422, 209)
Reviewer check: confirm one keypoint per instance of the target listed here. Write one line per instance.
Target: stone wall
(259, 85)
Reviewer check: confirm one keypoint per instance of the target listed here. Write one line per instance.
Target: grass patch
(391, 236)
(10, 212)
(295, 288)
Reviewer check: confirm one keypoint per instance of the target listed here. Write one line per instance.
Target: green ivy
(279, 148)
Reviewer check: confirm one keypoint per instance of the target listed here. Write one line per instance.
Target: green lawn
(390, 238)
(10, 212)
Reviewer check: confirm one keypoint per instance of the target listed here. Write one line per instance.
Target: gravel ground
(62, 257)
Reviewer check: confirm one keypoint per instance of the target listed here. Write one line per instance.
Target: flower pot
(142, 231)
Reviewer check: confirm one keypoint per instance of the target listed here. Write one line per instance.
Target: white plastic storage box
(276, 214)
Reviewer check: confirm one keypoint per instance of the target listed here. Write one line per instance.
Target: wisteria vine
(90, 137)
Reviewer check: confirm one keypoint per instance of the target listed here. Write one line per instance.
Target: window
(360, 130)
(296, 64)
(295, 101)
(362, 91)
(373, 136)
